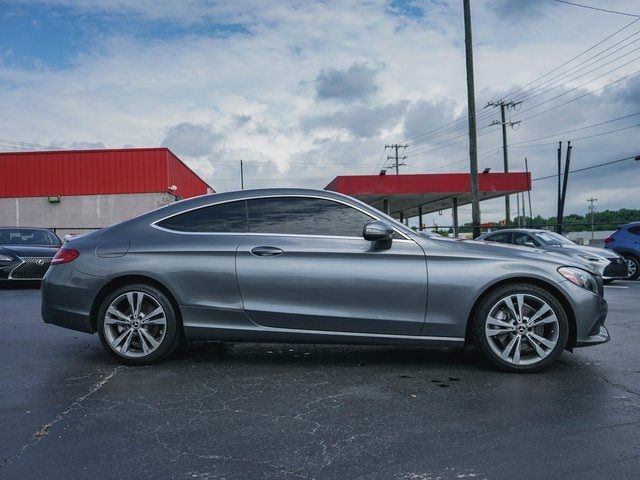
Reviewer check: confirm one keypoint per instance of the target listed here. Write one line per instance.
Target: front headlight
(579, 277)
(5, 258)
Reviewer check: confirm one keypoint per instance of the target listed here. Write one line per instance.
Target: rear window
(228, 217)
(635, 230)
(504, 237)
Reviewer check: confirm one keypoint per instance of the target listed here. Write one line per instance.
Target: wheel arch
(627, 251)
(571, 341)
(121, 281)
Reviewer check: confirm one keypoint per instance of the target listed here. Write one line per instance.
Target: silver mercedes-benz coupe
(294, 265)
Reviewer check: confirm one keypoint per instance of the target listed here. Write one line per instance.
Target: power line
(598, 165)
(597, 8)
(576, 98)
(460, 120)
(574, 129)
(567, 80)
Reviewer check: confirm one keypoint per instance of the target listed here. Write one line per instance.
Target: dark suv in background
(626, 241)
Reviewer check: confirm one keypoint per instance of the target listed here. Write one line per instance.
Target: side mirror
(377, 231)
(530, 244)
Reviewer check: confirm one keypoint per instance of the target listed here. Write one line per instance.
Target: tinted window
(305, 216)
(635, 230)
(522, 238)
(504, 237)
(552, 238)
(25, 236)
(226, 217)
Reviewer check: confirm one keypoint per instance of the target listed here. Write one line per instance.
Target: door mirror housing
(377, 231)
(530, 244)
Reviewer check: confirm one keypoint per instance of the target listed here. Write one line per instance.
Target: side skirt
(285, 335)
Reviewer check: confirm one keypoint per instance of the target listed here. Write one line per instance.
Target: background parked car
(609, 264)
(626, 241)
(26, 253)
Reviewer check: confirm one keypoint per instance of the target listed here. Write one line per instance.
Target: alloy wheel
(135, 324)
(522, 329)
(631, 267)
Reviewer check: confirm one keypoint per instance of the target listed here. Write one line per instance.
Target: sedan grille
(617, 268)
(33, 268)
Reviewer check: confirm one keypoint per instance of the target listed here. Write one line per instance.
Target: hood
(505, 251)
(581, 249)
(29, 250)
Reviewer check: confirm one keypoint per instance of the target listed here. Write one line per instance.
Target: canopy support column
(455, 217)
(385, 206)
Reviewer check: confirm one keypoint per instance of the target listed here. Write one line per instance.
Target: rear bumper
(68, 296)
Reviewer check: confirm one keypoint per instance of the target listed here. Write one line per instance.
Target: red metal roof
(93, 172)
(431, 191)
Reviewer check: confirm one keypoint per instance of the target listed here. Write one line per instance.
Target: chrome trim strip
(154, 224)
(265, 329)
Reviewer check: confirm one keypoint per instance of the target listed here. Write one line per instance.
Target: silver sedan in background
(294, 265)
(608, 263)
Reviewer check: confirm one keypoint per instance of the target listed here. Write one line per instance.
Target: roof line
(91, 150)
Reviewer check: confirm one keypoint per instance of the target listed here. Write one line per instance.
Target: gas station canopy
(405, 195)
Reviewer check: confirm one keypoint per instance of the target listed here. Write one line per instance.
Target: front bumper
(616, 270)
(68, 296)
(25, 269)
(590, 312)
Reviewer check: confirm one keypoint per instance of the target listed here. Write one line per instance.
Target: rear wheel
(138, 325)
(633, 266)
(520, 328)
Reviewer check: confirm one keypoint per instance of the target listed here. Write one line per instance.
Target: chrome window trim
(154, 224)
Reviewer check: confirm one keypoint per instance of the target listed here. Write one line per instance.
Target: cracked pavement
(267, 411)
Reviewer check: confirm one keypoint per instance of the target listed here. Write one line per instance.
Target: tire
(143, 339)
(634, 266)
(538, 344)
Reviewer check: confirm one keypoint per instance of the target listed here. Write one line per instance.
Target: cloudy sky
(305, 90)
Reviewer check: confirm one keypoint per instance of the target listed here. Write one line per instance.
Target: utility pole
(505, 155)
(396, 157)
(241, 175)
(471, 107)
(562, 183)
(592, 210)
(526, 169)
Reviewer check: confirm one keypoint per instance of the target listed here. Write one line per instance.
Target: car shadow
(21, 285)
(311, 355)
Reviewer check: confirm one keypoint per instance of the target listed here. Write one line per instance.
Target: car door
(304, 265)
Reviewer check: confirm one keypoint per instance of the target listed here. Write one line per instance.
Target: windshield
(552, 238)
(28, 236)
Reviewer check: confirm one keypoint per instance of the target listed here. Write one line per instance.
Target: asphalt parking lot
(265, 411)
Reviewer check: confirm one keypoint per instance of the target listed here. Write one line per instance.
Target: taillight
(608, 240)
(65, 255)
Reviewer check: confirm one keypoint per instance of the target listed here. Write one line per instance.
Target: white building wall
(75, 213)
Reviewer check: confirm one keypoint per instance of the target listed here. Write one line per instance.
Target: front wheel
(520, 328)
(138, 325)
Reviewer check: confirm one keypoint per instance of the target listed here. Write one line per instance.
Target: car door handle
(266, 251)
